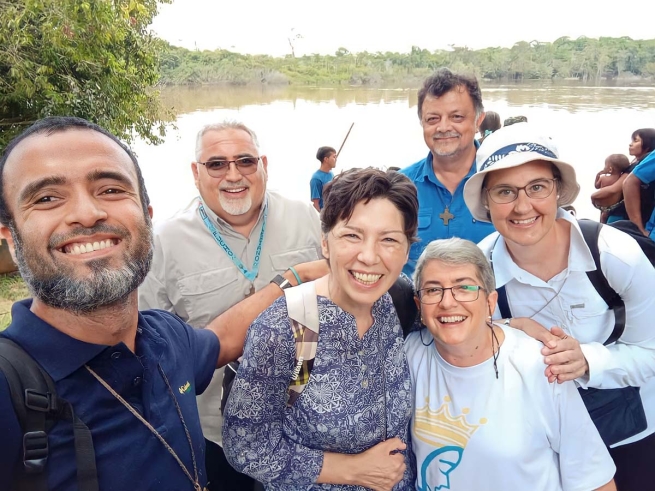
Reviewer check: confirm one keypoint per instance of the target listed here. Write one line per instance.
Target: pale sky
(263, 26)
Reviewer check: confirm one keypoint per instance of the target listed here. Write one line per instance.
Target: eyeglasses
(539, 189)
(461, 293)
(219, 167)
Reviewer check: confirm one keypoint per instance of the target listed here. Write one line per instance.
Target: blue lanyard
(249, 274)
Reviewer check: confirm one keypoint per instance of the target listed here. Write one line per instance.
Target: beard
(235, 207)
(447, 153)
(57, 285)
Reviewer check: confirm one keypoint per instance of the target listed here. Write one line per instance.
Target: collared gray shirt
(192, 276)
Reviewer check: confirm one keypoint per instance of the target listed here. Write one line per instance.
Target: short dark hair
(345, 191)
(647, 136)
(324, 152)
(619, 161)
(490, 122)
(443, 81)
(58, 124)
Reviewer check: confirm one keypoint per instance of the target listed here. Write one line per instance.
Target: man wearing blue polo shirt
(450, 110)
(637, 201)
(75, 212)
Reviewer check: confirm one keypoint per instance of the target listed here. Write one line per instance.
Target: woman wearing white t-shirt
(485, 417)
(542, 262)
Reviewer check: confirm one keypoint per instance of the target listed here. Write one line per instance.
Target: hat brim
(569, 187)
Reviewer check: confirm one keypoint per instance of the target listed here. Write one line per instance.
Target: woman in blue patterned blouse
(348, 429)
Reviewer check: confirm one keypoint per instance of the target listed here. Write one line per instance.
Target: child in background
(609, 182)
(327, 156)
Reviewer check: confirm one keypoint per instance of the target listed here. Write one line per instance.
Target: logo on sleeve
(185, 388)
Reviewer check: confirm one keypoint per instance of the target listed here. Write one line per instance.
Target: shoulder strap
(590, 231)
(303, 315)
(503, 304)
(37, 408)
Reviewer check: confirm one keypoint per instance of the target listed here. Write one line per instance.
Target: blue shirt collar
(58, 353)
(427, 172)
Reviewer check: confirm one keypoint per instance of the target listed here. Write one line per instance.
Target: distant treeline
(583, 58)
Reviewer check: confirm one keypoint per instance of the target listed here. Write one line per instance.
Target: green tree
(95, 59)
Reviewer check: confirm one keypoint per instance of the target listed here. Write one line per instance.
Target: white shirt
(471, 431)
(581, 312)
(193, 277)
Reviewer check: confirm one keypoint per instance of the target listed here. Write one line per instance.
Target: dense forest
(583, 58)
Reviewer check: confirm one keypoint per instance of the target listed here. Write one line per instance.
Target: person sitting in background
(490, 123)
(480, 386)
(609, 182)
(515, 119)
(638, 188)
(348, 429)
(327, 156)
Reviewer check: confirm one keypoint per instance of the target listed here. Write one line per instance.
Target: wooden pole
(344, 140)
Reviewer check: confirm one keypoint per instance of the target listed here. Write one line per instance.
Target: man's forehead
(66, 154)
(214, 139)
(456, 95)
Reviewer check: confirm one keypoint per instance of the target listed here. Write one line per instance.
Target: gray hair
(456, 251)
(225, 125)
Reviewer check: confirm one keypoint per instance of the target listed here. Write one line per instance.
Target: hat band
(516, 148)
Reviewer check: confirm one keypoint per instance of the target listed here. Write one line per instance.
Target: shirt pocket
(204, 294)
(284, 260)
(588, 315)
(424, 222)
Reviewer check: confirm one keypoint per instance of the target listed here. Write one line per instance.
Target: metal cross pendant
(446, 216)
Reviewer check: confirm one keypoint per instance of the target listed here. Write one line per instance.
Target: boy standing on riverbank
(327, 156)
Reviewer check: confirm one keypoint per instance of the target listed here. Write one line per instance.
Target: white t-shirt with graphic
(471, 431)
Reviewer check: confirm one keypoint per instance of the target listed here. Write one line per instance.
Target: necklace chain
(128, 406)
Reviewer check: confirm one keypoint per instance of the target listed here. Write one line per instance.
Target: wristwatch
(282, 282)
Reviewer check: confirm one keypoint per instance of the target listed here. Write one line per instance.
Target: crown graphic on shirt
(439, 429)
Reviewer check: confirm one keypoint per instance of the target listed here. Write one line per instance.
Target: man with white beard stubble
(232, 240)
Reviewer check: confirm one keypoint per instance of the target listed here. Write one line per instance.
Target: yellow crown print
(439, 429)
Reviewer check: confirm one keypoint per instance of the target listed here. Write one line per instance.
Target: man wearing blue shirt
(327, 156)
(75, 212)
(450, 110)
(638, 195)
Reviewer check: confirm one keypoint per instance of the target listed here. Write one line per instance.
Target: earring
(486, 207)
(558, 196)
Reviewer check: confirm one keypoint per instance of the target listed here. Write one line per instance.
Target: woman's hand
(379, 468)
(562, 353)
(565, 361)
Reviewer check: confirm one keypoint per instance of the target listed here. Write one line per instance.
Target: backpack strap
(37, 408)
(590, 231)
(303, 315)
(503, 303)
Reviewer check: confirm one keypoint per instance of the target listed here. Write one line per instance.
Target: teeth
(367, 279)
(452, 318)
(89, 246)
(524, 222)
(234, 190)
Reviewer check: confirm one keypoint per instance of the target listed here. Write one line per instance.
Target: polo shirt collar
(427, 172)
(60, 354)
(580, 258)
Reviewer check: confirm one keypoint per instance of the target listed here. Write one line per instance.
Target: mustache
(240, 184)
(450, 134)
(57, 239)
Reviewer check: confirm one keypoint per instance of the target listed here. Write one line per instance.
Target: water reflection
(587, 122)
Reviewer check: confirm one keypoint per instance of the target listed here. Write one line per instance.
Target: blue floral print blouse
(342, 408)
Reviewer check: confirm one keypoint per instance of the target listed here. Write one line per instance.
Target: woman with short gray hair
(484, 415)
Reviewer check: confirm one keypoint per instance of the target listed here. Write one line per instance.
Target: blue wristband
(295, 273)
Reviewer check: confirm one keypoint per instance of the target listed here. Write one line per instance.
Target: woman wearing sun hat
(541, 259)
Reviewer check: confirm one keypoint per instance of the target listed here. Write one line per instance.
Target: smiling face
(366, 254)
(525, 221)
(79, 233)
(461, 325)
(635, 148)
(233, 197)
(449, 123)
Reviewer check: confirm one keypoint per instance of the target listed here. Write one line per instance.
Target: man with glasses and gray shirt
(232, 240)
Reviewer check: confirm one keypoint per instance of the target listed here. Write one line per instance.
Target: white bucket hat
(512, 146)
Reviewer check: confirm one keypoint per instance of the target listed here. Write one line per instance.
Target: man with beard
(230, 241)
(450, 111)
(75, 212)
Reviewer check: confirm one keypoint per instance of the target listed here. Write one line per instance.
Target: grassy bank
(12, 288)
